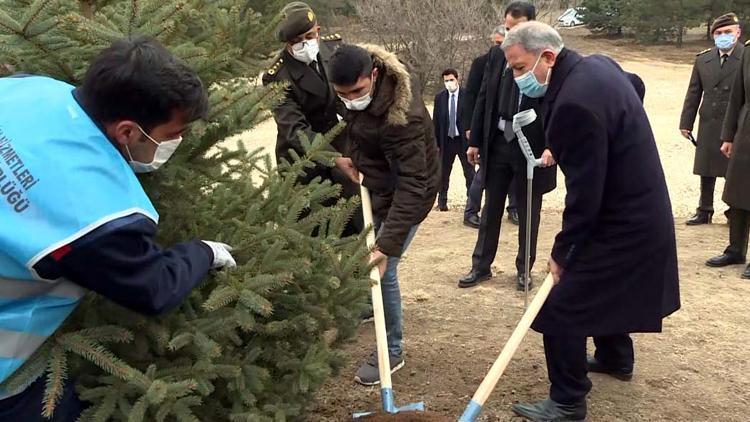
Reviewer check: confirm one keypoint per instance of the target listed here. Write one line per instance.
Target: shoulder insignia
(747, 42)
(278, 64)
(332, 37)
(704, 51)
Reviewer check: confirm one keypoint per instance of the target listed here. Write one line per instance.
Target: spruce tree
(252, 343)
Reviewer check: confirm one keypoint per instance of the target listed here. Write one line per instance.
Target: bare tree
(430, 34)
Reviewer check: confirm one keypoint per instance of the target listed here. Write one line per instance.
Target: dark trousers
(502, 167)
(739, 229)
(708, 185)
(452, 148)
(566, 363)
(474, 199)
(27, 406)
(512, 198)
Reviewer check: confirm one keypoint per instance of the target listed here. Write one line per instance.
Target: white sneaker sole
(370, 384)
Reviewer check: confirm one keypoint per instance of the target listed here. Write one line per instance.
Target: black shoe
(367, 316)
(701, 217)
(513, 216)
(472, 221)
(520, 285)
(473, 278)
(550, 411)
(724, 260)
(746, 273)
(442, 207)
(593, 365)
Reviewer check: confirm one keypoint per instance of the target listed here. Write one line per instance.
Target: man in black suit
(450, 134)
(503, 165)
(615, 260)
(473, 84)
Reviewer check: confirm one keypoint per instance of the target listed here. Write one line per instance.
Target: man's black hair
(138, 79)
(520, 9)
(450, 71)
(349, 63)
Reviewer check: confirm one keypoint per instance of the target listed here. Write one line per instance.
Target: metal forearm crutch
(520, 120)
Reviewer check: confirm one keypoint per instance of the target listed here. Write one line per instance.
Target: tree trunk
(680, 35)
(87, 9)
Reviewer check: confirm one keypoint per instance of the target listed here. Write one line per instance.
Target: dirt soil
(696, 370)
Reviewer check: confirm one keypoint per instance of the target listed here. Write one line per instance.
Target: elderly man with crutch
(615, 260)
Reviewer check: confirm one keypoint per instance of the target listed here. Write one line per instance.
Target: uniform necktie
(453, 130)
(724, 58)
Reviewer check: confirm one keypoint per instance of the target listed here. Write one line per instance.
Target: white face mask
(306, 51)
(451, 86)
(361, 103)
(164, 151)
(358, 104)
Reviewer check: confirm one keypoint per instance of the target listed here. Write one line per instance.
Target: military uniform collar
(305, 76)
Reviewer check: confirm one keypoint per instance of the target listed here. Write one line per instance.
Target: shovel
(384, 364)
(490, 381)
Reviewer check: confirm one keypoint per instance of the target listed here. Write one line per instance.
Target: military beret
(725, 20)
(296, 19)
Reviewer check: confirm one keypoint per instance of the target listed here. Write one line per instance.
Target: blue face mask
(724, 41)
(528, 84)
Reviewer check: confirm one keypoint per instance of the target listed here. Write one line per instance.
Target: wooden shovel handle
(490, 381)
(384, 364)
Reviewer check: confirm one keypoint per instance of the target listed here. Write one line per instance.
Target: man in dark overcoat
(615, 259)
(708, 92)
(494, 146)
(473, 85)
(736, 146)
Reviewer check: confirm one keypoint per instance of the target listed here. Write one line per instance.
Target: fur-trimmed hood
(394, 91)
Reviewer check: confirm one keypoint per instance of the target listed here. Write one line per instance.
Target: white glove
(222, 255)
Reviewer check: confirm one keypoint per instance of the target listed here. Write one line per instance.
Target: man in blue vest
(74, 216)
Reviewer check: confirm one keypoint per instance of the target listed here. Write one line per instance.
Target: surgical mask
(725, 41)
(358, 104)
(164, 151)
(530, 86)
(451, 86)
(361, 103)
(306, 51)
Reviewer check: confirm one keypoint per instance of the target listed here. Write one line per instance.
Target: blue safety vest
(60, 178)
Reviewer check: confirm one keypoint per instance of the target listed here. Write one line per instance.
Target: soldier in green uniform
(711, 82)
(736, 147)
(309, 105)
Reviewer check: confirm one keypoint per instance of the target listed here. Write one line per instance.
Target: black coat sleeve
(122, 262)
(580, 144)
(477, 119)
(736, 101)
(471, 90)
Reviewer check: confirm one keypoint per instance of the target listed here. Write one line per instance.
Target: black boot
(593, 365)
(520, 282)
(550, 411)
(701, 217)
(724, 260)
(473, 278)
